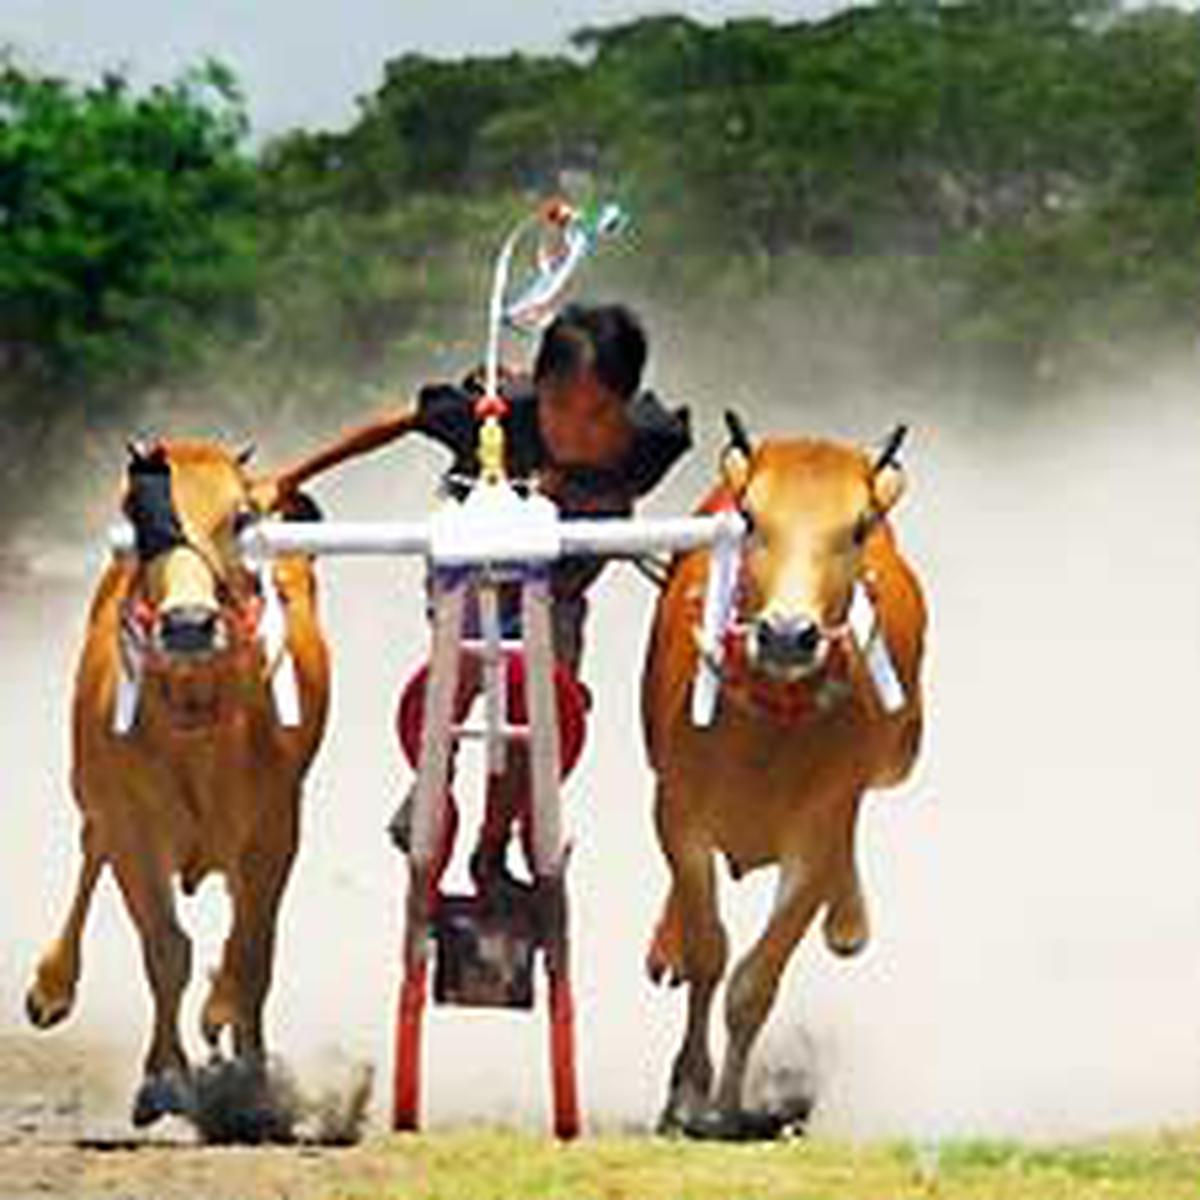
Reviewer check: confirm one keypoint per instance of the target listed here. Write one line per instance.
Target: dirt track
(63, 1133)
(163, 1172)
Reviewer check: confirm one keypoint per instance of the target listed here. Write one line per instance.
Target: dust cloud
(1035, 967)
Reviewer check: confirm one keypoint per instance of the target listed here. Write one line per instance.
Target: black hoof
(682, 1110)
(245, 1101)
(670, 1124)
(165, 1093)
(713, 1125)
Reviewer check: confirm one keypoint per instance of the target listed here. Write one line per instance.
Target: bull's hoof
(672, 1123)
(242, 1100)
(662, 966)
(164, 1093)
(43, 1011)
(686, 1103)
(847, 928)
(714, 1125)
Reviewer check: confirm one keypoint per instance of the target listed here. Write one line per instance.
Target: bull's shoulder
(110, 591)
(670, 661)
(899, 599)
(96, 665)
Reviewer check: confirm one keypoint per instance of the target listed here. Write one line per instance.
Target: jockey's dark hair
(607, 338)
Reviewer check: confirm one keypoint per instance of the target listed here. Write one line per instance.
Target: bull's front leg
(704, 950)
(748, 999)
(664, 956)
(51, 996)
(145, 883)
(256, 881)
(237, 1100)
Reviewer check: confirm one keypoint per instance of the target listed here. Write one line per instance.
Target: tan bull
(802, 730)
(182, 761)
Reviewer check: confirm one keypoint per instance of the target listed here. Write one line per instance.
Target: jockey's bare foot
(490, 874)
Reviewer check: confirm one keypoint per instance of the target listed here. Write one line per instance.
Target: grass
(494, 1165)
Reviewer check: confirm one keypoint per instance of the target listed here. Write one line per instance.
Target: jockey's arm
(352, 443)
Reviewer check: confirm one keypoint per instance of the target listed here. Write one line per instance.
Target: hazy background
(1035, 904)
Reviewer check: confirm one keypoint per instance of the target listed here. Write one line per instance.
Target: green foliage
(121, 215)
(126, 233)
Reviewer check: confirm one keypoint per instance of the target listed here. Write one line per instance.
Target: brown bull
(188, 755)
(803, 728)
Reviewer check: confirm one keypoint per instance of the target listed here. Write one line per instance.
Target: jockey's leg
(399, 827)
(510, 795)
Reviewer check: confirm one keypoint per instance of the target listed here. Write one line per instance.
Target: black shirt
(446, 413)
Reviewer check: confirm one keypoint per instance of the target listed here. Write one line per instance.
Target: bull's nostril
(790, 640)
(191, 629)
(808, 637)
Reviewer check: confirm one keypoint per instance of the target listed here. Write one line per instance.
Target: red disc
(572, 708)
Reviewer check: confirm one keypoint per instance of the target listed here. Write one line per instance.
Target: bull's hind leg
(748, 999)
(52, 994)
(145, 884)
(846, 926)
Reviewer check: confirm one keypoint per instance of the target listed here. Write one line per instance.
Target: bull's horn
(891, 448)
(738, 437)
(245, 454)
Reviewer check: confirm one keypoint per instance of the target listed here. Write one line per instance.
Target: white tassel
(129, 690)
(719, 599)
(285, 689)
(864, 623)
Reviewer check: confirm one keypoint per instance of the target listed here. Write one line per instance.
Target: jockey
(594, 442)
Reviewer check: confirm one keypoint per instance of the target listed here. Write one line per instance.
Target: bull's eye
(754, 533)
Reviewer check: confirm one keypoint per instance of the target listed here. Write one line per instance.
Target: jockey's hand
(475, 380)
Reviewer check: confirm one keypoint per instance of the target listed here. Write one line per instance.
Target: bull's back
(297, 584)
(900, 604)
(672, 653)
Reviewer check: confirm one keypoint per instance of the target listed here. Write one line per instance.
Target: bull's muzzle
(787, 646)
(190, 630)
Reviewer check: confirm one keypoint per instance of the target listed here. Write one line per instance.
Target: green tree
(126, 236)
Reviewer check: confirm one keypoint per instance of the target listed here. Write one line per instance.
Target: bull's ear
(887, 475)
(735, 458)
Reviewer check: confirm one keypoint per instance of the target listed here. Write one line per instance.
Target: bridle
(239, 615)
(855, 636)
(817, 693)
